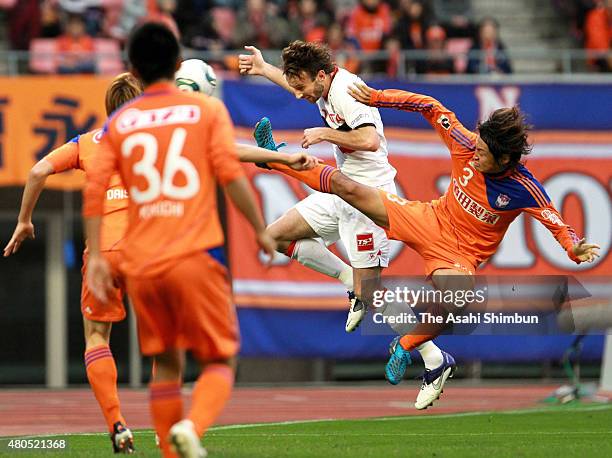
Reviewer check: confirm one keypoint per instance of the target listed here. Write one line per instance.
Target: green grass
(556, 431)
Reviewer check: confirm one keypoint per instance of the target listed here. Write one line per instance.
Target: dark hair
(505, 133)
(153, 51)
(300, 57)
(123, 88)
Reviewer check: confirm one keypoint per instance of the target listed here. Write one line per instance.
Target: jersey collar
(160, 88)
(332, 76)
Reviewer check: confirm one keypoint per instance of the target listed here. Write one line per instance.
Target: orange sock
(318, 178)
(166, 409)
(102, 376)
(211, 393)
(410, 342)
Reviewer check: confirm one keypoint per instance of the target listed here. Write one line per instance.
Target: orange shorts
(416, 224)
(114, 309)
(189, 306)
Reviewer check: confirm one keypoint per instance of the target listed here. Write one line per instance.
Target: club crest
(502, 201)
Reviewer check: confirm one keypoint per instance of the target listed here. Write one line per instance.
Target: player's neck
(161, 81)
(327, 85)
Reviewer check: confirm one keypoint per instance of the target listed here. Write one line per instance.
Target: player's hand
(302, 161)
(251, 64)
(313, 136)
(586, 252)
(361, 92)
(99, 278)
(22, 231)
(267, 244)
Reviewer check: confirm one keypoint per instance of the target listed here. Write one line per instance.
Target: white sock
(431, 354)
(316, 256)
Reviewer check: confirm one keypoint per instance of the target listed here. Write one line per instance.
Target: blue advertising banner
(549, 106)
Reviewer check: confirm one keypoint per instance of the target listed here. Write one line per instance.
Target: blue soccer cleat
(398, 362)
(434, 380)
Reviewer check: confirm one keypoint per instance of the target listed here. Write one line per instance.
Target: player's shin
(166, 409)
(210, 394)
(314, 255)
(318, 178)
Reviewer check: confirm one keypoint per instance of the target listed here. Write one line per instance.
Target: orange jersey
(171, 148)
(78, 153)
(477, 208)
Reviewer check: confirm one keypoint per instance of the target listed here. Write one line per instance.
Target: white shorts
(333, 219)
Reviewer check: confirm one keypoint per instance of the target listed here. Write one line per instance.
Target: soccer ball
(195, 75)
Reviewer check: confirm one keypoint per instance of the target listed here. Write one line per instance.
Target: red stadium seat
(459, 47)
(43, 55)
(108, 56)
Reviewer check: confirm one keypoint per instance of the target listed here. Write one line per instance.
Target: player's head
(306, 66)
(123, 88)
(503, 141)
(154, 53)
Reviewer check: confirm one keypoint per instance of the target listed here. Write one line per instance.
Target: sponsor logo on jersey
(133, 118)
(116, 194)
(334, 118)
(552, 217)
(444, 122)
(502, 201)
(365, 242)
(472, 207)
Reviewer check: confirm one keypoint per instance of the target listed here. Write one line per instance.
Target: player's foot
(433, 382)
(185, 441)
(398, 362)
(356, 312)
(122, 439)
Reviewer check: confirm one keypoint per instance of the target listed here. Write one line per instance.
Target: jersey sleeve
(103, 165)
(223, 156)
(552, 220)
(66, 157)
(459, 140)
(355, 113)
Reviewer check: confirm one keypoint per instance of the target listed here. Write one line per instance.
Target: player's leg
(99, 361)
(295, 237)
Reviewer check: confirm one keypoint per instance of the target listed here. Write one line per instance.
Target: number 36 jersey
(171, 149)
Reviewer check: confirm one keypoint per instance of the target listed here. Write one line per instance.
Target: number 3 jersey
(342, 112)
(477, 208)
(171, 149)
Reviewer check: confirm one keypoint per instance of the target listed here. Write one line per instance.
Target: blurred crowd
(591, 26)
(353, 29)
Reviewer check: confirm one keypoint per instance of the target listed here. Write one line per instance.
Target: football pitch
(561, 431)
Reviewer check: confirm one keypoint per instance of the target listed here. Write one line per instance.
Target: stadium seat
(459, 47)
(43, 55)
(108, 56)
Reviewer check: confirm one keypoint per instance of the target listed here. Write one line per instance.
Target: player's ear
(321, 75)
(505, 159)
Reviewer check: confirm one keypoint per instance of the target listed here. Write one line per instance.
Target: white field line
(398, 418)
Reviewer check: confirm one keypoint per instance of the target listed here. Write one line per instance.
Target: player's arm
(457, 138)
(63, 158)
(254, 64)
(297, 161)
(104, 164)
(577, 249)
(362, 138)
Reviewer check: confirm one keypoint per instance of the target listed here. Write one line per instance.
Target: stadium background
(292, 319)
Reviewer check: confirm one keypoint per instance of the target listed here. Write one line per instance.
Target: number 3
(174, 163)
(469, 173)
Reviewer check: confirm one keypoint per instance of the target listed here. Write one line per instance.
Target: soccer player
(170, 148)
(462, 229)
(356, 133)
(98, 318)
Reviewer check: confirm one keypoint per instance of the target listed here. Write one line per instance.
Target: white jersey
(342, 112)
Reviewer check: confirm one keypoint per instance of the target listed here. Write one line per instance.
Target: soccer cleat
(356, 312)
(185, 441)
(265, 139)
(433, 382)
(122, 439)
(398, 362)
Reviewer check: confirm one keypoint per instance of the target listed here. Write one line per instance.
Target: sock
(314, 255)
(318, 178)
(166, 409)
(102, 376)
(431, 354)
(210, 394)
